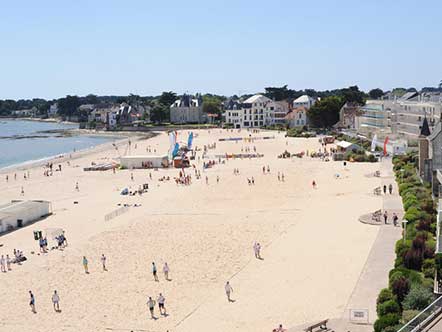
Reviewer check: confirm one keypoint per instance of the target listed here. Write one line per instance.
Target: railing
(116, 213)
(424, 318)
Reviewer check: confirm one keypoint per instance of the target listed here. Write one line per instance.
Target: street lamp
(404, 231)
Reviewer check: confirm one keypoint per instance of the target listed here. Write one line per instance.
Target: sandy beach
(313, 246)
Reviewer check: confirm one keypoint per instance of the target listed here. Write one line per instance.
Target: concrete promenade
(380, 261)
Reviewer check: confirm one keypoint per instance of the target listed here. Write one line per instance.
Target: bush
(386, 321)
(388, 307)
(412, 214)
(428, 268)
(413, 259)
(400, 288)
(418, 298)
(384, 296)
(408, 315)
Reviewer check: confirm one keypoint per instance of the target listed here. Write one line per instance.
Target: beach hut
(17, 214)
(144, 161)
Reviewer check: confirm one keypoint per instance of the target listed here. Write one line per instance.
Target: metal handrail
(418, 326)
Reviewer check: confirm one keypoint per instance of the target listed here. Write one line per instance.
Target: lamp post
(404, 231)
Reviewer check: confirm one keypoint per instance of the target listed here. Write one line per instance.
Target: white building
(17, 214)
(255, 112)
(53, 110)
(304, 101)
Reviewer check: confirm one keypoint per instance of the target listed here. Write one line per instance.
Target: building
(348, 116)
(344, 146)
(132, 162)
(255, 112)
(53, 110)
(297, 117)
(304, 101)
(432, 165)
(373, 118)
(276, 116)
(188, 109)
(17, 214)
(32, 112)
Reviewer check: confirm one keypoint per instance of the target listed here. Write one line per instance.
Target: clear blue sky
(53, 48)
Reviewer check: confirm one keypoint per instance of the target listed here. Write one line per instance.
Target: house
(53, 110)
(297, 117)
(32, 112)
(17, 214)
(430, 156)
(188, 109)
(276, 116)
(305, 101)
(348, 116)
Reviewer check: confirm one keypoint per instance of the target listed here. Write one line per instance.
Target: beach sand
(314, 248)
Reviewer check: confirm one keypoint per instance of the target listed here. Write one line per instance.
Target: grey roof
(425, 129)
(436, 131)
(16, 207)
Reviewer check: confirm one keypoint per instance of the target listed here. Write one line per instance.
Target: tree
(91, 99)
(160, 113)
(325, 112)
(167, 98)
(352, 94)
(376, 93)
(68, 106)
(211, 107)
(277, 94)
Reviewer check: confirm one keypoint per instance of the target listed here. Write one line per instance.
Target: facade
(297, 117)
(373, 118)
(17, 214)
(257, 111)
(53, 110)
(188, 109)
(304, 101)
(348, 116)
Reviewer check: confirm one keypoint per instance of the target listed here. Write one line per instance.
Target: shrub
(384, 296)
(418, 298)
(408, 315)
(424, 225)
(413, 259)
(412, 214)
(388, 307)
(428, 268)
(400, 288)
(386, 321)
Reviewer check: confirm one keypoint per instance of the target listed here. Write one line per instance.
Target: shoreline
(120, 139)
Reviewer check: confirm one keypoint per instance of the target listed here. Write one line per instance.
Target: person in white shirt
(258, 251)
(103, 262)
(2, 264)
(161, 300)
(151, 306)
(166, 271)
(56, 301)
(8, 262)
(228, 290)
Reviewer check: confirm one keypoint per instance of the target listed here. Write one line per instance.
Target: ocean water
(15, 150)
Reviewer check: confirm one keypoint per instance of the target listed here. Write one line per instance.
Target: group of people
(103, 261)
(6, 261)
(395, 218)
(390, 189)
(55, 302)
(161, 305)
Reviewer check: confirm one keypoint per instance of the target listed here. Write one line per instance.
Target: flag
(374, 143)
(385, 145)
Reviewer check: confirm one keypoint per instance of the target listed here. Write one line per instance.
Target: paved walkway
(380, 261)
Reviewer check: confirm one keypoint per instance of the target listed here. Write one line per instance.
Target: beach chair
(377, 191)
(376, 216)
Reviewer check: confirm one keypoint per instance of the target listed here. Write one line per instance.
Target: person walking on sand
(314, 184)
(166, 271)
(258, 250)
(279, 176)
(385, 189)
(390, 188)
(151, 306)
(32, 302)
(56, 301)
(2, 264)
(131, 176)
(8, 262)
(207, 180)
(103, 262)
(77, 188)
(385, 217)
(161, 300)
(85, 265)
(217, 179)
(22, 192)
(228, 290)
(282, 177)
(154, 271)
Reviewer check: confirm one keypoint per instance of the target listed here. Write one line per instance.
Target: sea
(24, 141)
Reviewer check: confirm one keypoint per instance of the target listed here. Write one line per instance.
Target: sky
(52, 48)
